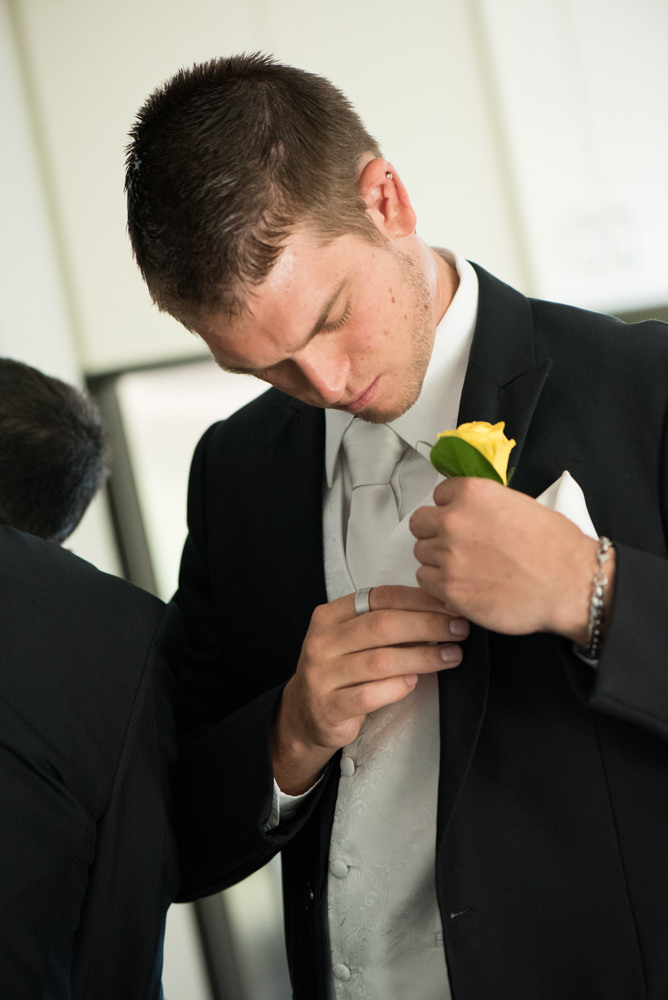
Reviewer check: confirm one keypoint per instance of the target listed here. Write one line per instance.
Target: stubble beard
(421, 332)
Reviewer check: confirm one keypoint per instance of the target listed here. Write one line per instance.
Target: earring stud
(389, 175)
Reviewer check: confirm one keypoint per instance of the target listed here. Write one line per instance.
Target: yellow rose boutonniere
(476, 449)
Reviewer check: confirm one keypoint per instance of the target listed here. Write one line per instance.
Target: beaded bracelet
(597, 605)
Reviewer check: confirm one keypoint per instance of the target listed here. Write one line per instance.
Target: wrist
(296, 764)
(600, 601)
(572, 611)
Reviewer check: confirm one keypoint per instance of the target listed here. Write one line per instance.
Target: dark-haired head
(52, 452)
(225, 159)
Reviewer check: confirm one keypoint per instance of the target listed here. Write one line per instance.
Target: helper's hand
(354, 664)
(504, 561)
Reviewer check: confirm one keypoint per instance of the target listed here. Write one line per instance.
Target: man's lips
(362, 400)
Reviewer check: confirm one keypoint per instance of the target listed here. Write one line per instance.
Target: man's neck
(447, 280)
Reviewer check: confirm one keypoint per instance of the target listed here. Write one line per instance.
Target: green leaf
(452, 456)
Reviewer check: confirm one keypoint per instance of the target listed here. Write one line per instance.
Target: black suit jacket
(552, 849)
(87, 851)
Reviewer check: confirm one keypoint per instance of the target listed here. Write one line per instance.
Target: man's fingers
(379, 664)
(424, 522)
(400, 598)
(429, 553)
(352, 664)
(370, 683)
(398, 616)
(390, 597)
(387, 628)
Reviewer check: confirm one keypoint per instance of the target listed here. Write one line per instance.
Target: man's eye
(331, 327)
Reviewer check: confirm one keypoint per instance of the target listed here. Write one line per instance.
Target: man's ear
(386, 198)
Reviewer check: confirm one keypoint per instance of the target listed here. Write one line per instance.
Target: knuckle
(450, 520)
(319, 615)
(477, 487)
(470, 484)
(377, 662)
(384, 596)
(365, 701)
(315, 648)
(382, 622)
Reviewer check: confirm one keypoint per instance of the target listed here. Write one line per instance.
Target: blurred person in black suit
(86, 723)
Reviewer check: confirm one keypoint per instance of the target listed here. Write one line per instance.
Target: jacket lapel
(505, 375)
(504, 380)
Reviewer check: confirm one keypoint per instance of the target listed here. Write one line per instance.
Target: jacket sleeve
(631, 679)
(231, 679)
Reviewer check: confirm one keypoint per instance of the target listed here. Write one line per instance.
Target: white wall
(582, 116)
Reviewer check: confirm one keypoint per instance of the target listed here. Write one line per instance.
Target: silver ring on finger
(362, 600)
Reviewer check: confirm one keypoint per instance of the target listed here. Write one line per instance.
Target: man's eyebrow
(315, 329)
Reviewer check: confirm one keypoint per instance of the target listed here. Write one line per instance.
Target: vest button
(339, 868)
(347, 767)
(341, 972)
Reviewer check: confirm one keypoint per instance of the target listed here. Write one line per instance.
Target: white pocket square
(566, 497)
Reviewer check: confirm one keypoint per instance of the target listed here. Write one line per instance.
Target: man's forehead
(302, 267)
(307, 255)
(307, 275)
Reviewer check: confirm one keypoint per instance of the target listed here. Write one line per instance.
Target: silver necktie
(372, 452)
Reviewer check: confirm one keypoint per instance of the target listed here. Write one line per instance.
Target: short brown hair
(224, 159)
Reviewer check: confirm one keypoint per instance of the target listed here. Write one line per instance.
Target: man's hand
(502, 560)
(354, 664)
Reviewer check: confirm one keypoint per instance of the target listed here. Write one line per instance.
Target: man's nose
(325, 370)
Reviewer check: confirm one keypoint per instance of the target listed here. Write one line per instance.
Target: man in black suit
(467, 780)
(86, 723)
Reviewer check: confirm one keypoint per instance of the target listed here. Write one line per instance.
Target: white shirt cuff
(285, 807)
